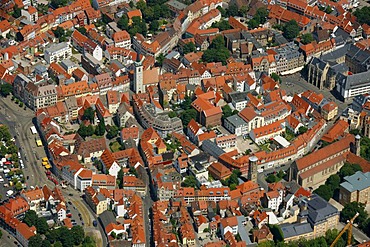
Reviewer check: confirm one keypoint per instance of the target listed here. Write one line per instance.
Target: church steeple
(138, 75)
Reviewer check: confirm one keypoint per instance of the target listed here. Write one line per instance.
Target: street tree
(6, 89)
(78, 234)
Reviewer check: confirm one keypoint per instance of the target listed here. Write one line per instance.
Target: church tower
(357, 145)
(252, 171)
(138, 76)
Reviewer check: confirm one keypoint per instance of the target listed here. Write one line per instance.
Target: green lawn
(289, 135)
(266, 147)
(115, 146)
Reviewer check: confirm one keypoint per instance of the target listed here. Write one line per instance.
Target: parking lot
(76, 217)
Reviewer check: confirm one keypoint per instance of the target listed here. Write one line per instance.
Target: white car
(1, 180)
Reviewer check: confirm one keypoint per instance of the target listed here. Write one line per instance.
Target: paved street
(358, 235)
(8, 240)
(19, 122)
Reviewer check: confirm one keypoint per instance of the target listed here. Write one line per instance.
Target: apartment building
(288, 59)
(39, 96)
(57, 52)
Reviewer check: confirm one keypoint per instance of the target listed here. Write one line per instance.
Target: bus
(33, 130)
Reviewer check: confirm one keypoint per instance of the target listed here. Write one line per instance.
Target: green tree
(30, 218)
(85, 131)
(348, 170)
(291, 30)
(222, 25)
(59, 32)
(226, 111)
(123, 22)
(333, 182)
(172, 114)
(82, 30)
(272, 178)
(306, 38)
(141, 5)
(232, 10)
(328, 10)
(89, 114)
(88, 242)
(58, 244)
(78, 234)
(45, 243)
(189, 181)
(18, 186)
(6, 89)
(112, 132)
(253, 23)
(1, 234)
(100, 129)
(243, 10)
(363, 15)
(41, 225)
(277, 232)
(350, 209)
(186, 104)
(222, 11)
(189, 47)
(16, 11)
(35, 241)
(59, 3)
(302, 129)
(262, 14)
(154, 25)
(217, 51)
(276, 77)
(187, 115)
(65, 237)
(324, 191)
(160, 59)
(120, 178)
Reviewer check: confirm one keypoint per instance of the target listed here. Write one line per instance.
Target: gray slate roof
(319, 209)
(291, 230)
(358, 181)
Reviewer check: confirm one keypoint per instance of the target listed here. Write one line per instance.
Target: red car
(69, 215)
